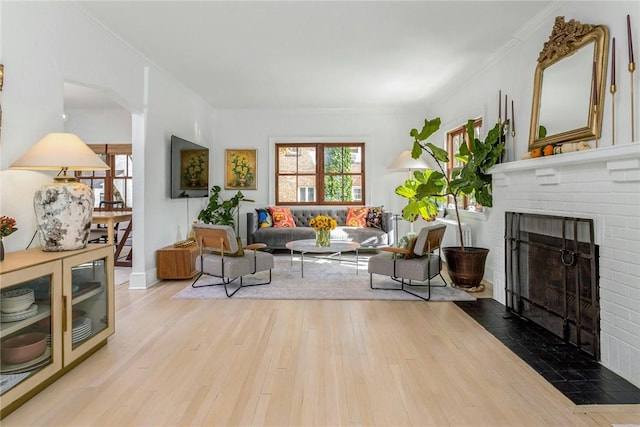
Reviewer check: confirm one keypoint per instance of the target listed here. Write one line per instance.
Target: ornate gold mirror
(565, 108)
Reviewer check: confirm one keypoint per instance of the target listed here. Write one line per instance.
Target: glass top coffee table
(308, 246)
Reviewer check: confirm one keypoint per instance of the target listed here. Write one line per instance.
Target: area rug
(323, 279)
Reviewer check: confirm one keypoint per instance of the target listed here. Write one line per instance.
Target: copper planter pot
(466, 267)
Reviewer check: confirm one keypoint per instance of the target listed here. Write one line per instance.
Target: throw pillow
(238, 253)
(357, 217)
(374, 217)
(408, 242)
(410, 246)
(282, 217)
(264, 218)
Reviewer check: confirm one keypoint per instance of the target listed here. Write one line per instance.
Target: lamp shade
(60, 151)
(405, 162)
(63, 208)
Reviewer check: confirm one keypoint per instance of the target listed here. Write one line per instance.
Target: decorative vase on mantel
(1, 250)
(322, 237)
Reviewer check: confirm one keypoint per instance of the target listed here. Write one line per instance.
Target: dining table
(110, 219)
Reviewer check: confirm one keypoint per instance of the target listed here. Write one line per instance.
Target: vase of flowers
(323, 225)
(7, 227)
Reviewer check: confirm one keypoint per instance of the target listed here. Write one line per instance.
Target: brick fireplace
(601, 185)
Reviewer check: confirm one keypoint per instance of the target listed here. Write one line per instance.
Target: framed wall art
(241, 169)
(189, 169)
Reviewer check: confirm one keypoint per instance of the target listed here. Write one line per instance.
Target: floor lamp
(404, 162)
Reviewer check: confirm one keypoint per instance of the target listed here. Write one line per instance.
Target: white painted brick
(625, 255)
(614, 264)
(631, 328)
(625, 279)
(634, 316)
(605, 348)
(626, 164)
(613, 200)
(628, 176)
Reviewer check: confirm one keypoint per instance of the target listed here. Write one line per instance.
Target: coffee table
(336, 247)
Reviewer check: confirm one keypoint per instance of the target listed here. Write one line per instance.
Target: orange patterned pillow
(282, 217)
(357, 217)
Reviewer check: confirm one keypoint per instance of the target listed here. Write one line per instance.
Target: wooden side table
(176, 263)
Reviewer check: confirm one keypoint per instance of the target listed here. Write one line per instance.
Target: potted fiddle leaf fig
(219, 211)
(426, 190)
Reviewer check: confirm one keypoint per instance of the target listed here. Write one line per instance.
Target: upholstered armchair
(222, 256)
(414, 266)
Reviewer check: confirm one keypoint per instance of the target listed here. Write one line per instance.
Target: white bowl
(16, 300)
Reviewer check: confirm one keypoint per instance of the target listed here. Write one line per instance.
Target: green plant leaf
(440, 154)
(542, 131)
(430, 127)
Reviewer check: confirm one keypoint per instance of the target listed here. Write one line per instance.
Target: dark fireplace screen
(552, 276)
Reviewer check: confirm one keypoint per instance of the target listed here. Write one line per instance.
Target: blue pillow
(264, 218)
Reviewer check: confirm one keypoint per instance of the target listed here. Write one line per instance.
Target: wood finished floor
(302, 363)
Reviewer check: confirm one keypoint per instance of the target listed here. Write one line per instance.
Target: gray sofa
(277, 237)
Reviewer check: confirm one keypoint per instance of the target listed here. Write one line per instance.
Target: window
(306, 194)
(320, 173)
(115, 184)
(356, 193)
(455, 138)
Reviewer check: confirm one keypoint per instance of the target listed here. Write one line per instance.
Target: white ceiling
(315, 54)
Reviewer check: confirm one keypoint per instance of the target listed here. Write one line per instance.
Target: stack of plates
(11, 368)
(81, 329)
(19, 315)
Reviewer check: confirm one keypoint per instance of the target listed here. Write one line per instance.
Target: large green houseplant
(426, 190)
(219, 211)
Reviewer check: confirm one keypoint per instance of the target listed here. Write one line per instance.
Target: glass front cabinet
(56, 308)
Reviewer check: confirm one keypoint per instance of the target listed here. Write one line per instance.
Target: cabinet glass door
(30, 329)
(88, 296)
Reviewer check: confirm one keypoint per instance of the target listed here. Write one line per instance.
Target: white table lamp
(64, 207)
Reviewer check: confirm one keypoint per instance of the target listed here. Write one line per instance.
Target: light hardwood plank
(302, 363)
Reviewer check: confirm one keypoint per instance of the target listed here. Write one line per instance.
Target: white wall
(386, 134)
(45, 44)
(512, 71)
(99, 126)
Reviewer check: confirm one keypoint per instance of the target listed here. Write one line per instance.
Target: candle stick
(499, 106)
(629, 40)
(506, 110)
(612, 89)
(594, 78)
(513, 120)
(632, 68)
(613, 63)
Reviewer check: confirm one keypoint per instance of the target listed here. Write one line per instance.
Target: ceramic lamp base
(63, 215)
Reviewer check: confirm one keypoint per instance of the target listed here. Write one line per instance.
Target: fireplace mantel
(613, 153)
(602, 184)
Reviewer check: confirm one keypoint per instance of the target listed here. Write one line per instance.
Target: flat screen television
(189, 169)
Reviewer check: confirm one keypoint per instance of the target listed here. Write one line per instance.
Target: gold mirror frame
(565, 40)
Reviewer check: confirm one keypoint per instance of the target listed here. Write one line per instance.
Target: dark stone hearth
(573, 372)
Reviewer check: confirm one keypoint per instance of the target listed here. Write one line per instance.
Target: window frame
(465, 203)
(319, 174)
(109, 151)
